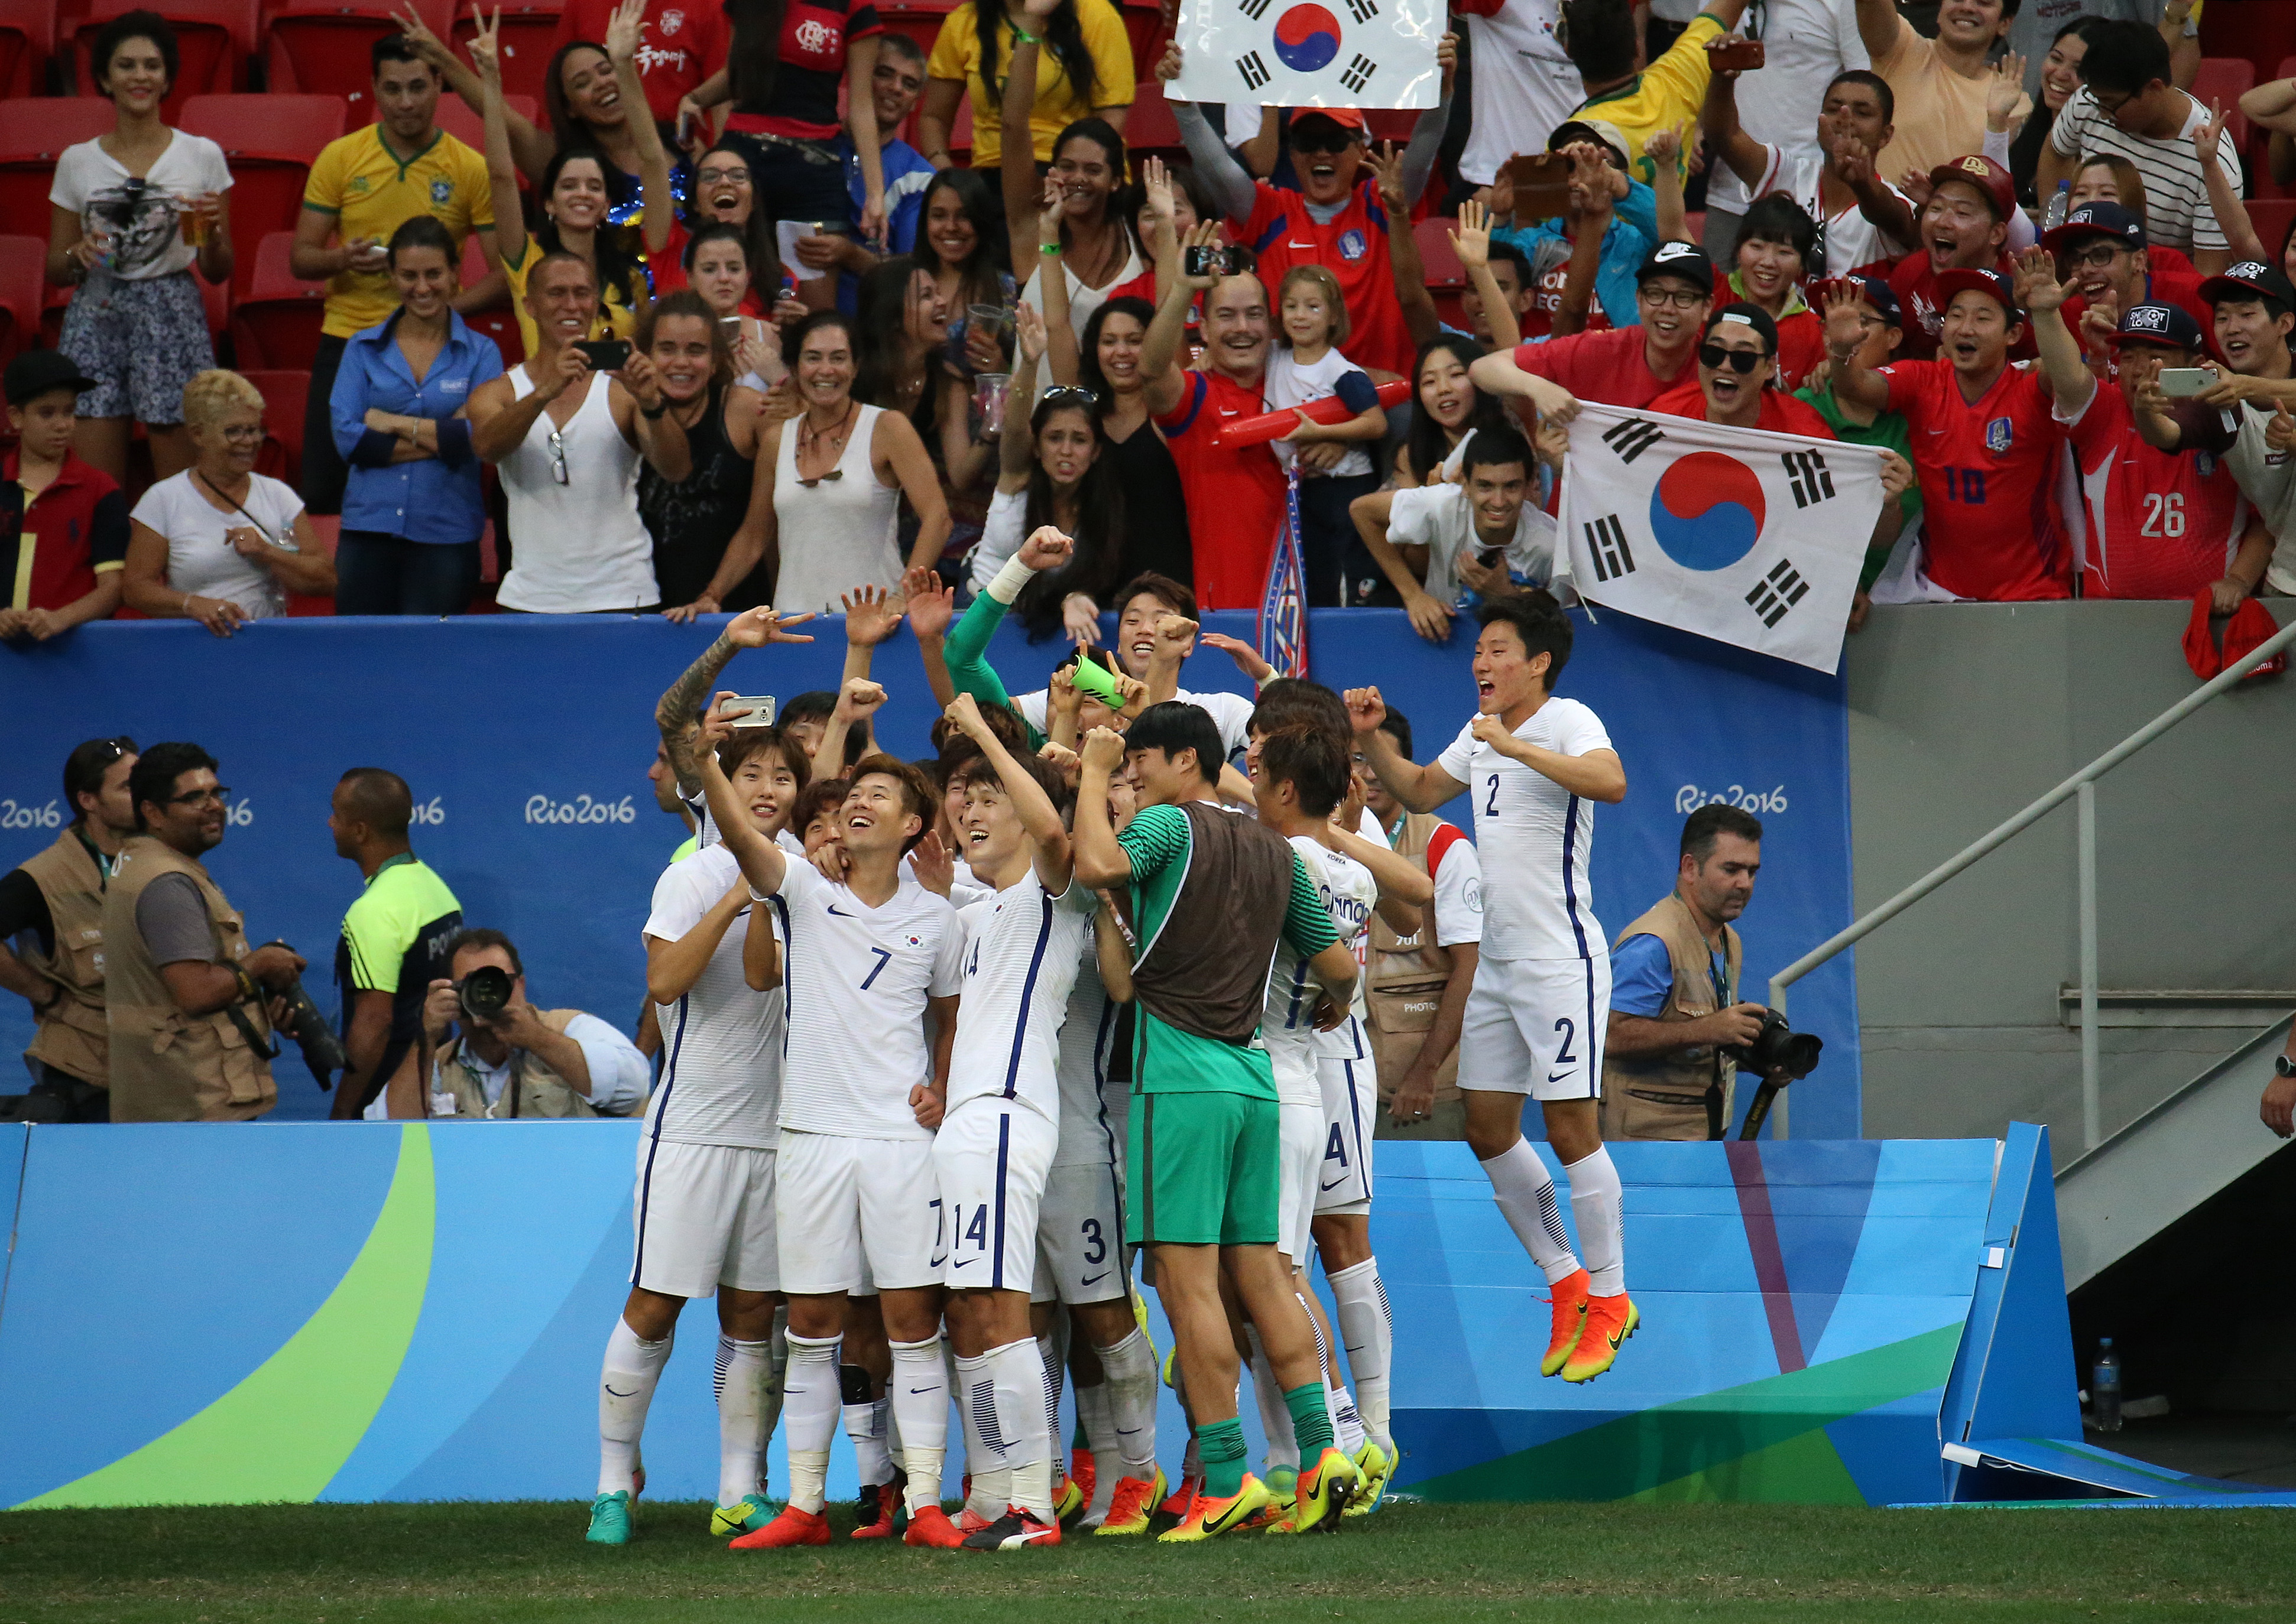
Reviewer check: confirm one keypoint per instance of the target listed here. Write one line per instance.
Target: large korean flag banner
(1310, 53)
(1746, 537)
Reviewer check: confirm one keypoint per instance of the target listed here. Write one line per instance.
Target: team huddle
(928, 1120)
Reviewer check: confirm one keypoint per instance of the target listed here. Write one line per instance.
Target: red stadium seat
(1436, 254)
(465, 126)
(1151, 127)
(23, 288)
(1393, 124)
(28, 39)
(529, 37)
(215, 39)
(283, 395)
(499, 323)
(33, 133)
(274, 324)
(2271, 217)
(920, 19)
(317, 47)
(269, 141)
(1144, 31)
(2227, 79)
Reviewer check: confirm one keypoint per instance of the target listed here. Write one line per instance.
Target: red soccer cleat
(876, 1504)
(792, 1526)
(929, 1525)
(1568, 1297)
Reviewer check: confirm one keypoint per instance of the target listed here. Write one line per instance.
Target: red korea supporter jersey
(1352, 246)
(1607, 368)
(1781, 412)
(680, 43)
(2170, 287)
(2161, 523)
(1988, 482)
(1235, 494)
(1914, 283)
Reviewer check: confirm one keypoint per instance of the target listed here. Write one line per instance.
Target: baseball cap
(1991, 283)
(1686, 260)
(2212, 647)
(2250, 277)
(2099, 219)
(1872, 290)
(36, 372)
(1600, 131)
(1746, 315)
(2167, 324)
(1988, 177)
(1346, 117)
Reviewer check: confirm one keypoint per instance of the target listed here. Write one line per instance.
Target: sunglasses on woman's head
(1068, 395)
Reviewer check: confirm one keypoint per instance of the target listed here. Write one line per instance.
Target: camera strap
(246, 1029)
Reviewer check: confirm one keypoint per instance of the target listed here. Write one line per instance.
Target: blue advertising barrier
(526, 740)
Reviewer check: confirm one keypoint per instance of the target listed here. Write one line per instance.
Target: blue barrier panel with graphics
(526, 740)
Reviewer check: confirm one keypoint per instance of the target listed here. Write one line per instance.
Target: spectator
(1965, 226)
(680, 45)
(569, 452)
(709, 530)
(895, 84)
(1448, 410)
(2126, 105)
(393, 944)
(838, 472)
(414, 507)
(1627, 366)
(1139, 463)
(2107, 177)
(1807, 45)
(1643, 100)
(57, 896)
(2102, 255)
(1737, 358)
(131, 213)
(189, 1026)
(1523, 85)
(1776, 244)
(1087, 72)
(2277, 1108)
(1076, 220)
(903, 366)
(363, 187)
(1435, 541)
(65, 522)
(1835, 180)
(1882, 329)
(524, 1062)
(717, 269)
(2271, 107)
(1940, 83)
(723, 200)
(1334, 466)
(220, 544)
(1623, 221)
(579, 192)
(1501, 292)
(2060, 78)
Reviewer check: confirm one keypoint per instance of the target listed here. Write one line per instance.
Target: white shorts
(704, 1218)
(1081, 1236)
(850, 1210)
(1302, 1132)
(1535, 1027)
(1350, 1102)
(991, 1156)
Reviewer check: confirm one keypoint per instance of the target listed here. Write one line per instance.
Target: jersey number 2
(1491, 804)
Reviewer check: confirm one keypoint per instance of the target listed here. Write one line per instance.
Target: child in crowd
(1332, 458)
(64, 522)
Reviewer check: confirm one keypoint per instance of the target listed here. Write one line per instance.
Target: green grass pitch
(401, 1564)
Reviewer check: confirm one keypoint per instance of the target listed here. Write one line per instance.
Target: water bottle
(2105, 1389)
(2060, 206)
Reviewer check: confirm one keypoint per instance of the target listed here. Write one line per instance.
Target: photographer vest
(1404, 981)
(1686, 1076)
(534, 1089)
(72, 1035)
(167, 1066)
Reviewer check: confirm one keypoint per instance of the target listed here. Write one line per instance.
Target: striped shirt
(2177, 212)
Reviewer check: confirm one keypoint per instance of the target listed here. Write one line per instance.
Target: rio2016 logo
(1690, 797)
(434, 810)
(13, 816)
(581, 809)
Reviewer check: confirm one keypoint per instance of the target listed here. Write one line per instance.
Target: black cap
(1686, 260)
(1746, 315)
(2247, 280)
(2099, 219)
(36, 372)
(2168, 324)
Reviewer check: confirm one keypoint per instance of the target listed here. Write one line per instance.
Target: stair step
(2235, 1006)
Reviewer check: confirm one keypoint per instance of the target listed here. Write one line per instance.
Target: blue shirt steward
(433, 499)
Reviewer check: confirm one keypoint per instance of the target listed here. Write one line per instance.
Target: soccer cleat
(611, 1518)
(1609, 1321)
(1083, 1472)
(1133, 1505)
(874, 1512)
(746, 1515)
(1568, 1297)
(1324, 1490)
(792, 1526)
(1069, 1505)
(1015, 1531)
(1183, 1499)
(929, 1525)
(970, 1521)
(1377, 1467)
(1207, 1517)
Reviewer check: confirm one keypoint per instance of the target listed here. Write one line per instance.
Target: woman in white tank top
(568, 447)
(838, 471)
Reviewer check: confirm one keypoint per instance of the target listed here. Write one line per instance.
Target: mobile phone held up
(1728, 52)
(752, 710)
(605, 355)
(1206, 261)
(2184, 382)
(1542, 184)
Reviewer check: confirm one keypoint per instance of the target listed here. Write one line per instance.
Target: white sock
(811, 1406)
(1131, 1387)
(740, 1418)
(625, 1386)
(920, 1409)
(1098, 1420)
(1596, 1204)
(1368, 1334)
(1526, 1195)
(1274, 1415)
(988, 1471)
(865, 1425)
(1016, 1380)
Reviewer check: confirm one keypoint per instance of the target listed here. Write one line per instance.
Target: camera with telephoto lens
(1204, 260)
(485, 992)
(323, 1050)
(1777, 1048)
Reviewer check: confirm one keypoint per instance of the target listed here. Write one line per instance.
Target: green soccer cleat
(750, 1513)
(611, 1518)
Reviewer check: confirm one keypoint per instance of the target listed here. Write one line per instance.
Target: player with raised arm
(868, 959)
(1534, 765)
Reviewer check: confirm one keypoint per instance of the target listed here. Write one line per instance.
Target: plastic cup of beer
(194, 219)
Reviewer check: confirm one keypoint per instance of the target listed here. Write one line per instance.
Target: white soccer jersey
(1087, 1039)
(1231, 714)
(1847, 239)
(1287, 1023)
(721, 1043)
(1022, 948)
(1350, 894)
(1536, 837)
(857, 979)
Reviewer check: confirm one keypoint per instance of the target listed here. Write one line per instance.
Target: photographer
(511, 1059)
(190, 1034)
(393, 943)
(1674, 991)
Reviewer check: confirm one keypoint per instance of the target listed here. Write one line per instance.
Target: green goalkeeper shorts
(1203, 1169)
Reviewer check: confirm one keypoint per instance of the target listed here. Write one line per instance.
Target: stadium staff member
(51, 910)
(190, 1033)
(524, 1062)
(393, 943)
(1674, 991)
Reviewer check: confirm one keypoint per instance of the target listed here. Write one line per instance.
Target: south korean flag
(1750, 538)
(1310, 53)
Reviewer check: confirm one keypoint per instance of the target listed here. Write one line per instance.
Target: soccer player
(1625, 366)
(1534, 763)
(1212, 892)
(867, 961)
(1984, 443)
(704, 1198)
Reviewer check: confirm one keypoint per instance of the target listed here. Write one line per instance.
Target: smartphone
(1542, 185)
(2179, 383)
(605, 355)
(1745, 56)
(1205, 261)
(752, 710)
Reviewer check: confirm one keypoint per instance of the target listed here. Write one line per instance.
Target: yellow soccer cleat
(750, 1513)
(1324, 1490)
(1609, 1321)
(1568, 1297)
(1135, 1504)
(1376, 1467)
(1209, 1518)
(1069, 1505)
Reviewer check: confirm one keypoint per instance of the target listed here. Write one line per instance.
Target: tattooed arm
(678, 713)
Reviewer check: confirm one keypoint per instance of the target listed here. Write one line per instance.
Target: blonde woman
(220, 544)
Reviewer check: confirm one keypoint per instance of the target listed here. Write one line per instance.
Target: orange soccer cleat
(1568, 1297)
(1609, 1321)
(792, 1526)
(929, 1525)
